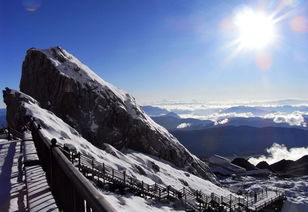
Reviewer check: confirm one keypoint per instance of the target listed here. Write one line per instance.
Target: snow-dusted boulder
(99, 111)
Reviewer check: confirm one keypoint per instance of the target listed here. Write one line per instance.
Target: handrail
(64, 178)
(14, 133)
(63, 159)
(96, 200)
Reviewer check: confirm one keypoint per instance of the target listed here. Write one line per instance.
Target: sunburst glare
(255, 29)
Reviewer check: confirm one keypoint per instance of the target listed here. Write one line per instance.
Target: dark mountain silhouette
(243, 140)
(154, 111)
(282, 166)
(289, 168)
(242, 162)
(173, 115)
(263, 165)
(170, 122)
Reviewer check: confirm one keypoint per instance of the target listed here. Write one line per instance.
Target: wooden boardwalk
(102, 174)
(105, 176)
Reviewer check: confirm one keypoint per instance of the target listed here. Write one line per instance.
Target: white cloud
(293, 119)
(183, 125)
(213, 112)
(216, 117)
(279, 152)
(223, 121)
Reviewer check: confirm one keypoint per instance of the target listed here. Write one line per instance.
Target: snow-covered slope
(296, 189)
(24, 106)
(99, 111)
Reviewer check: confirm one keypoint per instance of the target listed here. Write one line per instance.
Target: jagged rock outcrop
(242, 162)
(99, 111)
(16, 114)
(263, 165)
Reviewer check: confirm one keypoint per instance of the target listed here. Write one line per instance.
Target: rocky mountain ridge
(100, 112)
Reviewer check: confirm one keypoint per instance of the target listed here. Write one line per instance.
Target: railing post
(9, 134)
(79, 168)
(168, 191)
(159, 193)
(266, 191)
(92, 163)
(112, 173)
(124, 176)
(53, 144)
(72, 157)
(104, 172)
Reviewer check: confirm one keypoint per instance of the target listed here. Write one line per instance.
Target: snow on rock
(99, 111)
(130, 203)
(296, 189)
(156, 170)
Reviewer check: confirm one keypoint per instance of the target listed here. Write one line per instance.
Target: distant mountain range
(262, 110)
(284, 168)
(283, 106)
(172, 122)
(176, 123)
(241, 141)
(288, 168)
(234, 135)
(154, 111)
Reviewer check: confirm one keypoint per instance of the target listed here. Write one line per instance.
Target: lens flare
(31, 5)
(264, 61)
(299, 24)
(256, 30)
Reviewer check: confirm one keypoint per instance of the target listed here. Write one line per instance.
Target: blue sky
(160, 49)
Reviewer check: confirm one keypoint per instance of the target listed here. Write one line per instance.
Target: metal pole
(79, 161)
(9, 133)
(104, 172)
(53, 145)
(168, 191)
(92, 168)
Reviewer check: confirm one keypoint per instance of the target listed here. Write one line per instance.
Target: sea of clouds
(278, 152)
(217, 114)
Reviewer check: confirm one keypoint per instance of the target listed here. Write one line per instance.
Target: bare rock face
(16, 114)
(99, 111)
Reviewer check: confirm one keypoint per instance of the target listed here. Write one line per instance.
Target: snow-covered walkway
(22, 188)
(12, 179)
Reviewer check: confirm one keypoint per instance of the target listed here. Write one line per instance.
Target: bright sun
(256, 29)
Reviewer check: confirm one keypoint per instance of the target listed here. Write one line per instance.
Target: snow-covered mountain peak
(73, 68)
(99, 111)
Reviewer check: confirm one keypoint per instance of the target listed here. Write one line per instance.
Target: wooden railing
(279, 196)
(102, 174)
(71, 190)
(68, 173)
(12, 133)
